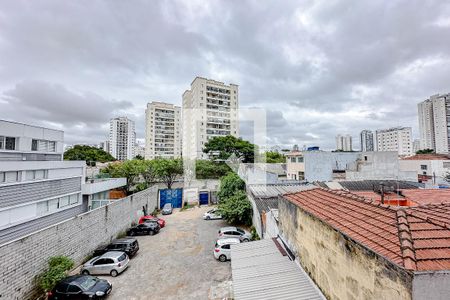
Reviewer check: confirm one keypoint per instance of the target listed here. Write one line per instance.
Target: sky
(319, 68)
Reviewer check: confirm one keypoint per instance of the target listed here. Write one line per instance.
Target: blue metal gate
(174, 196)
(203, 198)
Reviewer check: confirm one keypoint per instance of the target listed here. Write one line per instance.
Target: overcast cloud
(319, 67)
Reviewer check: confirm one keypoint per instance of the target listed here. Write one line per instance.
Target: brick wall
(22, 260)
(342, 268)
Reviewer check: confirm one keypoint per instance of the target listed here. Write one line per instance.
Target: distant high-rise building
(122, 138)
(416, 145)
(104, 146)
(344, 143)
(366, 140)
(434, 123)
(162, 130)
(395, 139)
(210, 109)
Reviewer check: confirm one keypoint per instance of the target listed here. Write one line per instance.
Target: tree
(236, 209)
(206, 169)
(274, 157)
(222, 147)
(230, 185)
(167, 170)
(425, 151)
(87, 153)
(139, 157)
(130, 169)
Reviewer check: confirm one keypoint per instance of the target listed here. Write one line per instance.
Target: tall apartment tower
(210, 109)
(366, 140)
(434, 123)
(122, 138)
(395, 139)
(344, 143)
(162, 130)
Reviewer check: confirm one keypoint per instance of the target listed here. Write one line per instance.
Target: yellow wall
(340, 267)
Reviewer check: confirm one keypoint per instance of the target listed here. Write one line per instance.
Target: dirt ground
(177, 263)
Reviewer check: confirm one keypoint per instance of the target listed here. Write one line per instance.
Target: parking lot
(177, 263)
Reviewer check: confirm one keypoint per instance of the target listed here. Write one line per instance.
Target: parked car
(128, 245)
(232, 231)
(80, 287)
(222, 249)
(160, 221)
(212, 215)
(167, 209)
(149, 227)
(112, 263)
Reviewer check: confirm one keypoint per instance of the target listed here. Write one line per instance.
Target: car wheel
(114, 273)
(151, 232)
(208, 218)
(85, 272)
(245, 240)
(223, 258)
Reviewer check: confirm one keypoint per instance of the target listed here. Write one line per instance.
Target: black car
(80, 287)
(150, 228)
(128, 245)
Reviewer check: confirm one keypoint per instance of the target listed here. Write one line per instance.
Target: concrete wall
(432, 285)
(435, 168)
(319, 165)
(23, 259)
(341, 268)
(378, 166)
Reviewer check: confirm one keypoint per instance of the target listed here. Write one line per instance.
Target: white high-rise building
(395, 139)
(162, 130)
(434, 123)
(366, 140)
(210, 109)
(344, 143)
(122, 138)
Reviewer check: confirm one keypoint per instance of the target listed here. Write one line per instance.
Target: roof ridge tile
(406, 240)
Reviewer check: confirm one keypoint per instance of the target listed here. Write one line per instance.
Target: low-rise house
(264, 200)
(354, 248)
(295, 166)
(430, 169)
(101, 191)
(262, 173)
(327, 166)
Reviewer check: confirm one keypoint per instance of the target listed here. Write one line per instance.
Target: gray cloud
(318, 67)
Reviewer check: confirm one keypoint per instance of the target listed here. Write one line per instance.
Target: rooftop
(261, 271)
(369, 185)
(431, 156)
(413, 197)
(415, 238)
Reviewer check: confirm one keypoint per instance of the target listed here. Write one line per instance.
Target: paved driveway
(177, 263)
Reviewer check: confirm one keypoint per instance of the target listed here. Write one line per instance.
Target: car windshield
(87, 282)
(167, 206)
(122, 257)
(240, 230)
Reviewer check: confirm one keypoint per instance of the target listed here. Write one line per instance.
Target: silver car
(231, 231)
(112, 263)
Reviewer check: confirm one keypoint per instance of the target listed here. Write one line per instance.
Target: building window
(73, 199)
(34, 145)
(11, 176)
(2, 177)
(423, 167)
(63, 201)
(2, 142)
(43, 145)
(10, 143)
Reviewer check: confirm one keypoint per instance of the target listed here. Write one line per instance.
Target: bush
(255, 235)
(236, 209)
(230, 185)
(58, 267)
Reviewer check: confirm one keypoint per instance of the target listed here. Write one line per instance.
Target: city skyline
(76, 80)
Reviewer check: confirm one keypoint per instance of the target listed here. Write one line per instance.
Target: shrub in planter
(58, 267)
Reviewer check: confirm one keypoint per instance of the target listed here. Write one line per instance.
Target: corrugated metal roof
(261, 272)
(273, 190)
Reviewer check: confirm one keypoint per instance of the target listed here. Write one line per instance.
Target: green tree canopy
(131, 170)
(236, 209)
(273, 157)
(230, 185)
(425, 151)
(87, 153)
(222, 147)
(167, 170)
(206, 169)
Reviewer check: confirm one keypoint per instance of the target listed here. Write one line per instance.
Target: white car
(212, 215)
(222, 249)
(231, 231)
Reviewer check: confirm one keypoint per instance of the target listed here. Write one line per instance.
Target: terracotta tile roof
(416, 238)
(431, 156)
(414, 197)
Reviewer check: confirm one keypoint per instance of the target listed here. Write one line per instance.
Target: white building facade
(344, 143)
(395, 139)
(163, 130)
(122, 138)
(366, 141)
(37, 188)
(434, 123)
(210, 109)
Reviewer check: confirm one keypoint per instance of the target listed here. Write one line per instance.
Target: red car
(161, 222)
